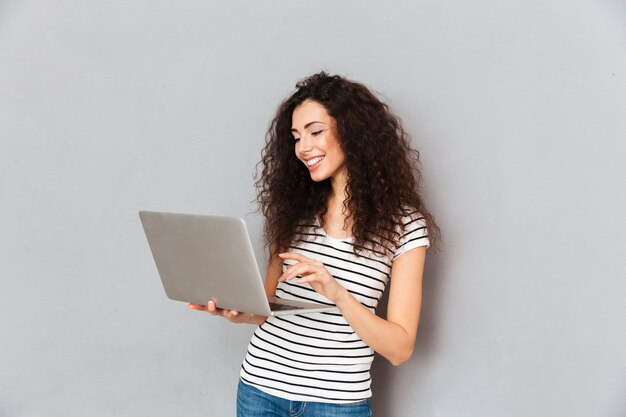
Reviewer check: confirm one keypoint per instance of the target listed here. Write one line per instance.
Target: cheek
(332, 144)
(337, 151)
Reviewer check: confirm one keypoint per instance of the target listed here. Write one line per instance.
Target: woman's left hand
(315, 274)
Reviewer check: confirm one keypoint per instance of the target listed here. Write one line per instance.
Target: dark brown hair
(383, 171)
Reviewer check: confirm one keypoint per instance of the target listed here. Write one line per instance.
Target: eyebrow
(293, 129)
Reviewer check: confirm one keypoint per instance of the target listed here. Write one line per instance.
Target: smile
(314, 161)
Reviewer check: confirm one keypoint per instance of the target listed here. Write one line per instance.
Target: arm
(274, 269)
(393, 338)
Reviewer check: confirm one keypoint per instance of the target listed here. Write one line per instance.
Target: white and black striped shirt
(318, 357)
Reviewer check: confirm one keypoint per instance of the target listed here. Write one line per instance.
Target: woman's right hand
(233, 316)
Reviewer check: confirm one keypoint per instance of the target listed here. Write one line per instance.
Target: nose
(305, 144)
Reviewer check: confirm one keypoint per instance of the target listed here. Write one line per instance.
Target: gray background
(111, 107)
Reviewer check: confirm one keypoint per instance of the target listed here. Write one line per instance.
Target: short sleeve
(414, 235)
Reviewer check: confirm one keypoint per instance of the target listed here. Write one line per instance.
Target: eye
(317, 132)
(296, 140)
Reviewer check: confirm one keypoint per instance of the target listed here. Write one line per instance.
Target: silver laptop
(202, 258)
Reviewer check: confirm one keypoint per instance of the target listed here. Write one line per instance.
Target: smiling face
(317, 146)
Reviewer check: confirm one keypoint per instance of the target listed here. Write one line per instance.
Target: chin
(317, 177)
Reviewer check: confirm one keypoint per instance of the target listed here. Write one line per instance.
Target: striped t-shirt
(317, 356)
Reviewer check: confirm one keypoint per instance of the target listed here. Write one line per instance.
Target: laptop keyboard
(278, 307)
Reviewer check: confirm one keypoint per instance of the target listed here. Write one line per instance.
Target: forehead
(308, 111)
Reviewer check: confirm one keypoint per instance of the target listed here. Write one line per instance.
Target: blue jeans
(252, 402)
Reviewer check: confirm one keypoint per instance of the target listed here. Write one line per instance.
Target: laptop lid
(202, 257)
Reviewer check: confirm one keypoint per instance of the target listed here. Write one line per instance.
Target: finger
(294, 273)
(297, 256)
(303, 280)
(310, 278)
(302, 269)
(212, 308)
(291, 272)
(196, 306)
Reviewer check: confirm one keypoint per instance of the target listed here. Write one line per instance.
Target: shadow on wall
(384, 374)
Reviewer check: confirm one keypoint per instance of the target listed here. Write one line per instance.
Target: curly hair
(384, 172)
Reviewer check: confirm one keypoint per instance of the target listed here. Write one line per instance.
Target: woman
(339, 192)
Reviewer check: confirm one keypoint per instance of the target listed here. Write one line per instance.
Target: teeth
(314, 160)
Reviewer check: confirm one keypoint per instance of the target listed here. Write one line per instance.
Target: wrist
(342, 298)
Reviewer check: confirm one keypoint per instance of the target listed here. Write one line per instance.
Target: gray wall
(111, 107)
